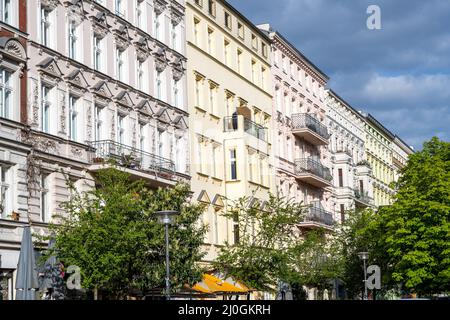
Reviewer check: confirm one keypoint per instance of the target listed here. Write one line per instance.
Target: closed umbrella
(27, 281)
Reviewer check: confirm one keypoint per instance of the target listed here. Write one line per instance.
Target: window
(121, 129)
(158, 26)
(142, 138)
(175, 37)
(241, 33)
(227, 17)
(6, 93)
(44, 185)
(160, 142)
(199, 2)
(176, 94)
(140, 74)
(97, 45)
(214, 172)
(159, 90)
(6, 201)
(254, 78)
(261, 170)
(46, 109)
(263, 77)
(361, 186)
(197, 31)
(287, 104)
(254, 42)
(212, 7)
(239, 60)
(120, 9)
(226, 45)
(139, 13)
(119, 64)
(200, 154)
(342, 208)
(6, 11)
(45, 26)
(284, 62)
(233, 165)
(264, 50)
(341, 178)
(73, 117)
(236, 228)
(98, 123)
(213, 98)
(211, 48)
(73, 39)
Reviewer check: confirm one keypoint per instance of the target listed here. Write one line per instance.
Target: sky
(400, 73)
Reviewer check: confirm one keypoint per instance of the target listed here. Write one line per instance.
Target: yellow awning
(212, 284)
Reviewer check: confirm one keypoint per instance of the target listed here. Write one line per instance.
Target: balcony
(313, 173)
(139, 163)
(317, 217)
(362, 199)
(236, 123)
(309, 128)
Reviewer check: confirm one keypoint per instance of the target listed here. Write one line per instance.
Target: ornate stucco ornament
(142, 48)
(160, 6)
(160, 59)
(178, 69)
(75, 11)
(100, 24)
(50, 4)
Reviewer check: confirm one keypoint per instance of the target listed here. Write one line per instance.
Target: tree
(415, 230)
(113, 235)
(266, 237)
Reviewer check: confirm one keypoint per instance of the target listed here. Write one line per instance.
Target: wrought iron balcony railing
(362, 196)
(314, 167)
(319, 215)
(307, 121)
(233, 123)
(130, 157)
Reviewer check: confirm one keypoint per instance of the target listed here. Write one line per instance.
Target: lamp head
(167, 216)
(363, 255)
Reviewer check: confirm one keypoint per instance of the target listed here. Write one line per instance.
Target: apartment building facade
(302, 160)
(400, 154)
(352, 174)
(229, 97)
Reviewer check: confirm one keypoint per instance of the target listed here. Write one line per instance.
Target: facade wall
(299, 88)
(229, 97)
(352, 178)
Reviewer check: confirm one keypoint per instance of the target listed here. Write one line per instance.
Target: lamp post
(166, 218)
(364, 256)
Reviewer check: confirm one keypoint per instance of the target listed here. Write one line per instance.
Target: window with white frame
(176, 93)
(159, 85)
(214, 158)
(198, 91)
(6, 93)
(46, 108)
(121, 129)
(98, 122)
(233, 164)
(181, 155)
(120, 64)
(158, 26)
(6, 192)
(73, 118)
(197, 31)
(73, 40)
(160, 143)
(46, 26)
(140, 74)
(140, 21)
(8, 12)
(44, 197)
(142, 136)
(211, 47)
(98, 52)
(120, 8)
(175, 37)
(213, 98)
(200, 162)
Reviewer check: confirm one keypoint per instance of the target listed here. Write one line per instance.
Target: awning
(215, 285)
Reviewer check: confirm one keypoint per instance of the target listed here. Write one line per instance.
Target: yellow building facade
(230, 102)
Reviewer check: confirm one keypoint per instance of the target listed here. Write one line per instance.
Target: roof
(333, 93)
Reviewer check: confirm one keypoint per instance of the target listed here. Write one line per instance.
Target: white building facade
(352, 177)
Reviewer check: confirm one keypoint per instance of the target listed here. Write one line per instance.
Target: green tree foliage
(266, 239)
(415, 230)
(113, 235)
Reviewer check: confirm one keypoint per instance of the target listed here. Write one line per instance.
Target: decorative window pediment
(142, 48)
(50, 4)
(100, 24)
(203, 197)
(160, 59)
(160, 6)
(178, 69)
(49, 67)
(122, 36)
(101, 89)
(77, 79)
(180, 122)
(218, 201)
(163, 115)
(75, 12)
(12, 49)
(145, 107)
(124, 99)
(176, 16)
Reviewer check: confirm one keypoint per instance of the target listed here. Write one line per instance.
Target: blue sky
(400, 74)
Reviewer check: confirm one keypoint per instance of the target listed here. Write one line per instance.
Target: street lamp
(166, 218)
(364, 256)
